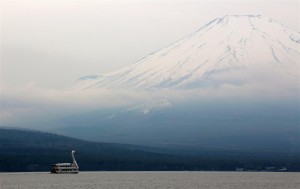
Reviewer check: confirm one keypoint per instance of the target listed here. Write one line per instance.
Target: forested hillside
(24, 150)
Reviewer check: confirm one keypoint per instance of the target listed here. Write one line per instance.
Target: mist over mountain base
(213, 123)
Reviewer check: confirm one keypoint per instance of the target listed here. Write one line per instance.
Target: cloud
(29, 105)
(32, 106)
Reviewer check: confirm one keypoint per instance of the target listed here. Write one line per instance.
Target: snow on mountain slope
(145, 108)
(224, 44)
(151, 106)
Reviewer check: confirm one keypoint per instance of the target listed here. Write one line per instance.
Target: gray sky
(52, 43)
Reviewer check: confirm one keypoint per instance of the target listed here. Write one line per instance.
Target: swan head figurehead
(73, 157)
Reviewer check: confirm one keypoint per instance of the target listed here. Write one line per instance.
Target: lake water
(157, 180)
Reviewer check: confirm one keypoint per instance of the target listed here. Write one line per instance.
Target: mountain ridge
(227, 43)
(22, 150)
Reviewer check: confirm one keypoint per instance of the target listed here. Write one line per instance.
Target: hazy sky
(52, 43)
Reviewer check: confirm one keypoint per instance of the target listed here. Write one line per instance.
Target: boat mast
(74, 161)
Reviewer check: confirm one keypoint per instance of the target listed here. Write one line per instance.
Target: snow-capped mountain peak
(224, 44)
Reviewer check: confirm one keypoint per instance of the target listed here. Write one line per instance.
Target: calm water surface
(141, 180)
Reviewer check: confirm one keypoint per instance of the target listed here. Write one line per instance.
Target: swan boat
(66, 167)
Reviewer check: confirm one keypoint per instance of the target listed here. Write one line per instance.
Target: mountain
(252, 53)
(23, 150)
(147, 108)
(228, 50)
(251, 125)
(31, 150)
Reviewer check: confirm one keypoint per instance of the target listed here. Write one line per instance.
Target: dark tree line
(22, 150)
